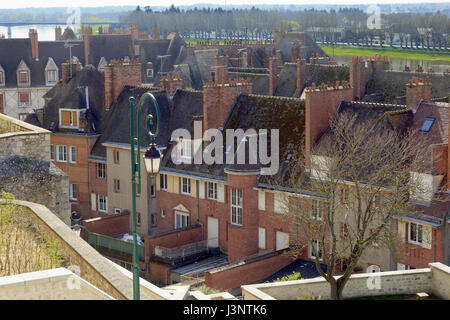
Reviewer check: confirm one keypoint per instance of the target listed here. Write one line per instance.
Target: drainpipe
(434, 244)
(198, 207)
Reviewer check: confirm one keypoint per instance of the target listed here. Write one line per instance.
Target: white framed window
(420, 234)
(24, 99)
(72, 154)
(317, 209)
(102, 202)
(186, 186)
(315, 245)
(181, 220)
(61, 153)
(163, 182)
(261, 200)
(73, 192)
(163, 213)
(52, 152)
(152, 190)
(185, 149)
(212, 190)
(280, 203)
(117, 210)
(153, 219)
(52, 76)
(101, 170)
(149, 73)
(236, 206)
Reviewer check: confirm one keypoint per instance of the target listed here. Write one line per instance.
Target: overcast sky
(98, 3)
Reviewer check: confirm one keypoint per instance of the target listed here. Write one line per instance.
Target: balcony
(184, 253)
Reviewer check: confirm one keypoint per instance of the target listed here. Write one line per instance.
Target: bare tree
(363, 173)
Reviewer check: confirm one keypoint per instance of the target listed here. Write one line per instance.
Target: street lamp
(152, 160)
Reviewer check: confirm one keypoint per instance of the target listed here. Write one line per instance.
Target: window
(2, 79)
(185, 148)
(52, 152)
(24, 99)
(163, 181)
(22, 116)
(73, 191)
(426, 125)
(344, 195)
(68, 118)
(117, 210)
(153, 220)
(163, 213)
(415, 233)
(149, 73)
(138, 218)
(23, 77)
(280, 203)
(61, 153)
(72, 154)
(212, 190)
(344, 230)
(116, 156)
(102, 203)
(374, 242)
(52, 76)
(186, 187)
(152, 190)
(314, 248)
(181, 220)
(317, 209)
(101, 171)
(236, 206)
(117, 185)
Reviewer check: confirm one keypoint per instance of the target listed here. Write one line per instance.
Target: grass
(401, 53)
(393, 297)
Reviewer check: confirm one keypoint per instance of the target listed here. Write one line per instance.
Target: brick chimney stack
(358, 77)
(171, 84)
(86, 32)
(155, 33)
(301, 75)
(58, 33)
(33, 34)
(219, 98)
(118, 74)
(321, 103)
(220, 69)
(65, 70)
(417, 90)
(273, 75)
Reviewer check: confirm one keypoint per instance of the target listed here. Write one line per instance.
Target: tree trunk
(336, 290)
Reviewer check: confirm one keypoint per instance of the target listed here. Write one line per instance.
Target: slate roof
(306, 268)
(73, 96)
(309, 47)
(440, 112)
(110, 46)
(115, 126)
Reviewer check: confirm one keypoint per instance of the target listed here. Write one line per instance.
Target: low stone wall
(235, 275)
(93, 267)
(434, 280)
(54, 284)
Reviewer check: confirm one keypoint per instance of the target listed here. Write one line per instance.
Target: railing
(104, 242)
(182, 251)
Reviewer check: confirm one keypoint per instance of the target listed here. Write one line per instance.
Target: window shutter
(427, 233)
(261, 200)
(201, 189)
(75, 118)
(93, 202)
(65, 118)
(220, 192)
(401, 228)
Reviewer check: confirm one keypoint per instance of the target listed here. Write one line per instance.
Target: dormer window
(52, 76)
(69, 118)
(185, 149)
(23, 77)
(426, 125)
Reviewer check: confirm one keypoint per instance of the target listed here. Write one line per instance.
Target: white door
(262, 238)
(282, 240)
(213, 232)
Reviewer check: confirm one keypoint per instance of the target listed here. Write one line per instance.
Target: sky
(98, 3)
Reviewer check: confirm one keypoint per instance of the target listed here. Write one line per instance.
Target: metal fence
(104, 242)
(181, 251)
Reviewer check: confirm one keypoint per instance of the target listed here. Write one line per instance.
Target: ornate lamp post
(152, 160)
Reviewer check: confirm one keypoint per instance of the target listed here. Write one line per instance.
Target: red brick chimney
(220, 69)
(155, 33)
(358, 77)
(301, 75)
(66, 73)
(33, 34)
(171, 84)
(416, 90)
(86, 32)
(118, 74)
(58, 33)
(273, 75)
(321, 103)
(219, 98)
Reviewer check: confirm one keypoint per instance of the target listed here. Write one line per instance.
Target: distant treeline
(349, 25)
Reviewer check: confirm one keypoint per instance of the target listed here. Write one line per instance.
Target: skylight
(427, 123)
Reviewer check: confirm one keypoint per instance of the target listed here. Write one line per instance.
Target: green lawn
(390, 52)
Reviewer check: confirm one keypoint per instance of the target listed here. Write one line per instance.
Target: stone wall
(434, 280)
